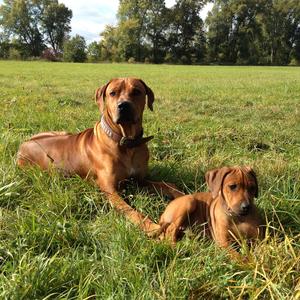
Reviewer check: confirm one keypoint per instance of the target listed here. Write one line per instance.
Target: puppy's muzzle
(244, 208)
(125, 112)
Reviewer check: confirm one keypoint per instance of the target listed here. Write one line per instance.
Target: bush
(184, 60)
(4, 49)
(14, 54)
(50, 55)
(131, 60)
(294, 62)
(75, 49)
(169, 58)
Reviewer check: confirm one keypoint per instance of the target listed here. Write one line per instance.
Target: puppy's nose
(245, 206)
(124, 106)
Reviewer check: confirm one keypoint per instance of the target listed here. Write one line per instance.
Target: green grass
(60, 239)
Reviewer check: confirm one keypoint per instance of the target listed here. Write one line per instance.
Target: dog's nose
(245, 206)
(124, 106)
(125, 112)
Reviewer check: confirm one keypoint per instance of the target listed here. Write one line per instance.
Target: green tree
(20, 19)
(131, 28)
(296, 52)
(219, 28)
(127, 41)
(186, 31)
(280, 22)
(146, 28)
(253, 31)
(156, 23)
(109, 44)
(75, 49)
(4, 46)
(245, 34)
(94, 52)
(55, 24)
(35, 23)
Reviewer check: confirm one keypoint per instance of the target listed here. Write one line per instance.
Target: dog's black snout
(124, 106)
(125, 112)
(245, 207)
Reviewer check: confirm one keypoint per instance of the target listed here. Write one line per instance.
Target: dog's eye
(136, 92)
(233, 187)
(112, 93)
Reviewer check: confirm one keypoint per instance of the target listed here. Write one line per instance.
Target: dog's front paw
(154, 230)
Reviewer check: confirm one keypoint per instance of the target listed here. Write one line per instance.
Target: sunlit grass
(60, 239)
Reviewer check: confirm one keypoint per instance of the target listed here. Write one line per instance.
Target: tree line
(234, 32)
(32, 26)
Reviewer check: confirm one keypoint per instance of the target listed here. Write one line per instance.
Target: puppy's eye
(112, 93)
(233, 187)
(136, 92)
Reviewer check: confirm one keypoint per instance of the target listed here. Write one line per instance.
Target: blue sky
(91, 16)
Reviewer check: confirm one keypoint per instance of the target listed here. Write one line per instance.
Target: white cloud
(170, 3)
(208, 7)
(203, 13)
(91, 16)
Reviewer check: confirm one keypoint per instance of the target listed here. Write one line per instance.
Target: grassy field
(60, 239)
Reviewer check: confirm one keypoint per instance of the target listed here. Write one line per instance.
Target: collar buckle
(124, 141)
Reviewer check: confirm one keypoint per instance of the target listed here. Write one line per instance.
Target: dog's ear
(150, 95)
(251, 172)
(215, 178)
(100, 96)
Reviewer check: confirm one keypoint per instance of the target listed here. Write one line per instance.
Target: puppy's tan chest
(245, 229)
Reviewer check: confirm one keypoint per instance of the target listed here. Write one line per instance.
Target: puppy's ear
(251, 172)
(210, 178)
(150, 95)
(100, 96)
(215, 178)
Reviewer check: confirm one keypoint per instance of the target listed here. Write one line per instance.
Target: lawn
(60, 239)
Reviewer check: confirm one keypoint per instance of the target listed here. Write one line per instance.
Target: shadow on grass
(185, 178)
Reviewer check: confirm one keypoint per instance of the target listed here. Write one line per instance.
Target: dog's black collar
(122, 140)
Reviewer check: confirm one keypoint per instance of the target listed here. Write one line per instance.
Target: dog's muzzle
(125, 113)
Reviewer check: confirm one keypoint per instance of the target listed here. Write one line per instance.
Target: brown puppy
(226, 213)
(112, 151)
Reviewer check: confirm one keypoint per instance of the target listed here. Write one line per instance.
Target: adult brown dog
(111, 152)
(226, 213)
